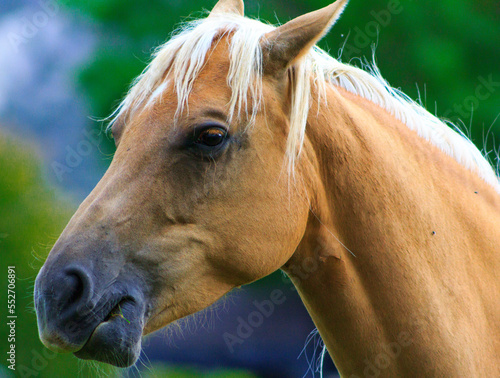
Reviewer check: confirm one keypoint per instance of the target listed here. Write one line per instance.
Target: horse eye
(211, 137)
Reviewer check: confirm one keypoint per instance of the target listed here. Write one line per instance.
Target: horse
(242, 149)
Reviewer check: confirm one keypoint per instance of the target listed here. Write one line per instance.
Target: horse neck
(403, 303)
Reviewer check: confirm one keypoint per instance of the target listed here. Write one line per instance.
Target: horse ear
(228, 7)
(289, 42)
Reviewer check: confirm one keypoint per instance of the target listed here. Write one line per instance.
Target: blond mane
(185, 54)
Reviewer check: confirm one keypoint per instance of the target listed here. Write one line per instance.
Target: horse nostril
(75, 289)
(74, 286)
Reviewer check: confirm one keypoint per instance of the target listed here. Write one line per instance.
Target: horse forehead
(210, 87)
(216, 66)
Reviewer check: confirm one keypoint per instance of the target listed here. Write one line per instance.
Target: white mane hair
(185, 54)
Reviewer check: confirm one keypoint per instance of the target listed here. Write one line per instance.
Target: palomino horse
(243, 149)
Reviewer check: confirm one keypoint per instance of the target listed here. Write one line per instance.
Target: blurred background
(65, 64)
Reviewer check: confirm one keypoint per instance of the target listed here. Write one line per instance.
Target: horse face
(189, 208)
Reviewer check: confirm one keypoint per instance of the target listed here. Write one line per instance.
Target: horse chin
(116, 340)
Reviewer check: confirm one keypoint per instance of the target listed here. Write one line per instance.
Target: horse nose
(62, 299)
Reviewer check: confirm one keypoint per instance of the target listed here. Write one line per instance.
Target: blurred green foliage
(443, 52)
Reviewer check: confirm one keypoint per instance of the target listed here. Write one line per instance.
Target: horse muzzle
(91, 315)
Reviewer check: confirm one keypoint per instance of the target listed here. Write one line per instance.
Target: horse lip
(106, 319)
(54, 342)
(117, 339)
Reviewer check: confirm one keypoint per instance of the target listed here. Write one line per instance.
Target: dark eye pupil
(211, 137)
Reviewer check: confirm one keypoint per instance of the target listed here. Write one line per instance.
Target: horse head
(199, 198)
